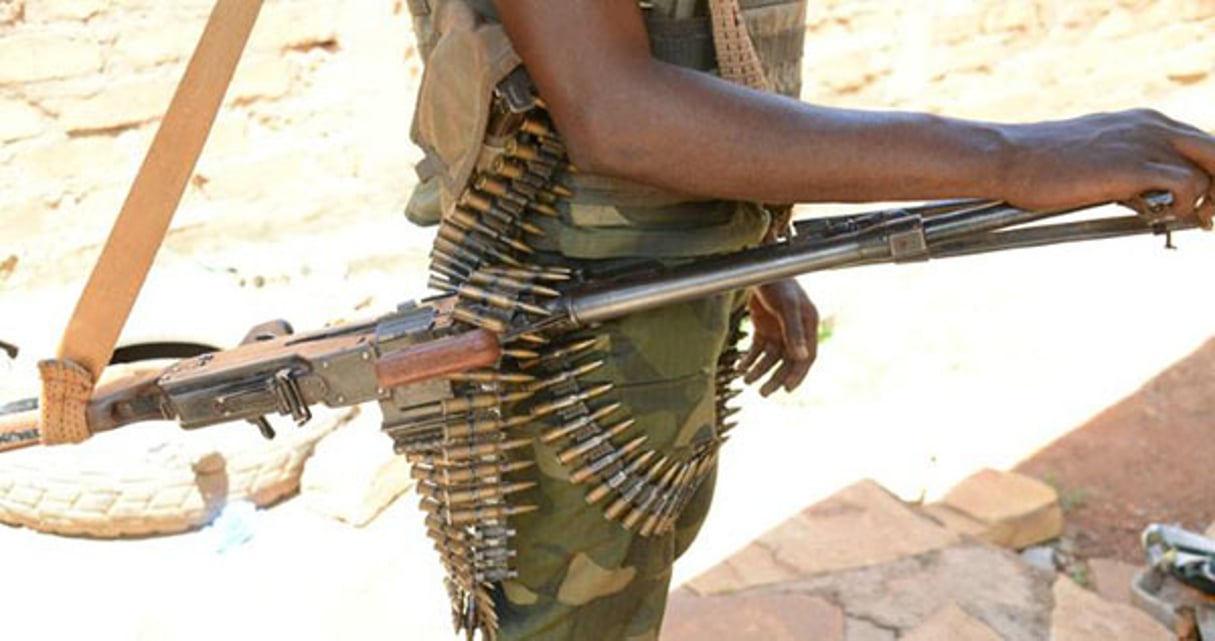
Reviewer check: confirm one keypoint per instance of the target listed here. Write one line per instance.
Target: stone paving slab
(1081, 615)
(1112, 579)
(1016, 511)
(859, 526)
(863, 566)
(951, 622)
(752, 617)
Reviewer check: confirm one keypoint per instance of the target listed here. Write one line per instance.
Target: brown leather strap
(144, 219)
(104, 305)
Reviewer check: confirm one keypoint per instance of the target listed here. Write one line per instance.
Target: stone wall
(315, 128)
(1020, 60)
(315, 123)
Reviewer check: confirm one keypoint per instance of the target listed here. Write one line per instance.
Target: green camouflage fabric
(582, 576)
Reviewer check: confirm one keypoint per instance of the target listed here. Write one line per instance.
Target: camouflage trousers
(580, 574)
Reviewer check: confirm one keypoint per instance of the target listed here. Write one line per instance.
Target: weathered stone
(18, 120)
(1112, 578)
(751, 566)
(11, 11)
(1079, 14)
(954, 520)
(848, 70)
(859, 630)
(990, 583)
(84, 161)
(1042, 557)
(1021, 17)
(151, 45)
(1018, 511)
(293, 25)
(1189, 66)
(1081, 615)
(57, 10)
(120, 105)
(29, 57)
(261, 78)
(353, 473)
(751, 617)
(951, 622)
(252, 178)
(861, 525)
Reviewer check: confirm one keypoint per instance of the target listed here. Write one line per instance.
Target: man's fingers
(1206, 211)
(810, 328)
(793, 330)
(777, 380)
(771, 356)
(1198, 148)
(752, 354)
(1185, 181)
(797, 374)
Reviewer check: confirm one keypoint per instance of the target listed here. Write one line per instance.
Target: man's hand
(786, 334)
(1112, 156)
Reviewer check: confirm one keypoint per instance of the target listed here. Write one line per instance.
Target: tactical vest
(466, 53)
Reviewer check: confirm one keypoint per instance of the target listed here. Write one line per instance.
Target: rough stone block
(1018, 511)
(29, 57)
(261, 78)
(989, 583)
(1112, 579)
(1080, 615)
(120, 105)
(751, 566)
(859, 630)
(18, 120)
(294, 25)
(1190, 66)
(150, 45)
(59, 10)
(254, 177)
(354, 474)
(861, 525)
(11, 11)
(951, 622)
(84, 161)
(752, 617)
(1022, 17)
(954, 520)
(851, 69)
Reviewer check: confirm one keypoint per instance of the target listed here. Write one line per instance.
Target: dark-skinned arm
(626, 114)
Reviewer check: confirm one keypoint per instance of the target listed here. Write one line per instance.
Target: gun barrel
(713, 276)
(954, 228)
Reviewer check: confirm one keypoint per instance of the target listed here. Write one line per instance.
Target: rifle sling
(142, 223)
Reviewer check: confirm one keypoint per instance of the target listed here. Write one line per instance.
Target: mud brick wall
(315, 126)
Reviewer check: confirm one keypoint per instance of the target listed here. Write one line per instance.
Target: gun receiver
(404, 359)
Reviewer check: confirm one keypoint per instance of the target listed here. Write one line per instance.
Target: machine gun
(408, 359)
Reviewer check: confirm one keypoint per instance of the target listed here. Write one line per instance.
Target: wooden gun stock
(438, 358)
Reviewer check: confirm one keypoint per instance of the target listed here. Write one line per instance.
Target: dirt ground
(1146, 459)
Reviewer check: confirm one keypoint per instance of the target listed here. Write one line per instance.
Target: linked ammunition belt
(464, 437)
